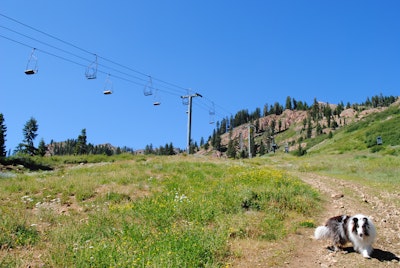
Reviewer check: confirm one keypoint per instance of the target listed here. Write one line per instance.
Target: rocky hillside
(290, 127)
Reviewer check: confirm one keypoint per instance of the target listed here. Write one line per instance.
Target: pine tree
(309, 128)
(288, 103)
(42, 148)
(262, 148)
(231, 151)
(3, 135)
(29, 132)
(81, 144)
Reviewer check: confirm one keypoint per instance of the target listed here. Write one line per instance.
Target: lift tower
(189, 126)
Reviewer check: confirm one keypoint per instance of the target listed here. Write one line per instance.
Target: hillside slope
(351, 130)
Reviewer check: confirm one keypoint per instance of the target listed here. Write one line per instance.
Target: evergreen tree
(309, 128)
(231, 151)
(42, 148)
(81, 144)
(265, 110)
(3, 130)
(29, 132)
(273, 125)
(294, 104)
(315, 110)
(171, 150)
(288, 103)
(262, 148)
(217, 143)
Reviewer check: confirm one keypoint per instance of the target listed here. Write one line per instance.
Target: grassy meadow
(180, 211)
(146, 211)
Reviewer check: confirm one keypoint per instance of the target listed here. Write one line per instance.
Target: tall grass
(146, 212)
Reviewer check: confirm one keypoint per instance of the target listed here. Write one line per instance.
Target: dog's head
(361, 226)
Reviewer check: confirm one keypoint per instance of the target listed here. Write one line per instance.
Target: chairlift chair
(31, 66)
(91, 70)
(108, 86)
(212, 114)
(156, 101)
(148, 88)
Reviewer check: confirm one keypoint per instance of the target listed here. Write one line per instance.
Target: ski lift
(31, 66)
(108, 86)
(156, 99)
(185, 101)
(148, 88)
(91, 70)
(228, 125)
(212, 114)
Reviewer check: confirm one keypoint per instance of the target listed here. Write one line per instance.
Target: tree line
(78, 146)
(316, 112)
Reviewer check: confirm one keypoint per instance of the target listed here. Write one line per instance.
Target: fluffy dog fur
(358, 229)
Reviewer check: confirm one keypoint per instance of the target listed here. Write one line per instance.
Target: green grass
(146, 212)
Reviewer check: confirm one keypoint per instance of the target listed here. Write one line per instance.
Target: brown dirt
(302, 250)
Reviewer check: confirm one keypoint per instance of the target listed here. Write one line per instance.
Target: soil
(302, 250)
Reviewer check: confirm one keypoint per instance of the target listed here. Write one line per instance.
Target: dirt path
(342, 197)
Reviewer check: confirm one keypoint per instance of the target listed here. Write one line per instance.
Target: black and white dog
(358, 229)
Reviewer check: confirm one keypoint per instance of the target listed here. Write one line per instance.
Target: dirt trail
(343, 197)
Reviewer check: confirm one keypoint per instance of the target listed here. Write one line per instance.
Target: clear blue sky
(237, 54)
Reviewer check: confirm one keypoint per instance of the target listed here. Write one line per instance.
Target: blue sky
(237, 54)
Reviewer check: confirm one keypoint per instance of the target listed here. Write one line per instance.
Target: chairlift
(185, 101)
(108, 86)
(212, 114)
(156, 101)
(31, 66)
(379, 140)
(148, 88)
(91, 70)
(228, 126)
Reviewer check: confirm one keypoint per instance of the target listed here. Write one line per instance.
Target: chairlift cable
(44, 33)
(86, 51)
(44, 43)
(199, 104)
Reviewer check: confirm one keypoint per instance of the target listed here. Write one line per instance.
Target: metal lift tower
(189, 126)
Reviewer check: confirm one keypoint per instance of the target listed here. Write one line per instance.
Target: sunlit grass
(147, 212)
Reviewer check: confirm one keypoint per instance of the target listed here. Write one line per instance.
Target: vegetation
(30, 133)
(125, 210)
(146, 211)
(322, 121)
(3, 130)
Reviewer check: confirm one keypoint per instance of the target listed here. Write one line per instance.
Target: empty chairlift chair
(31, 66)
(156, 101)
(108, 87)
(148, 88)
(91, 70)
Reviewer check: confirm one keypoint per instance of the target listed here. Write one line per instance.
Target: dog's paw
(365, 254)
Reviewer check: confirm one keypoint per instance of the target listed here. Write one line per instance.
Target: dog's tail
(322, 232)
